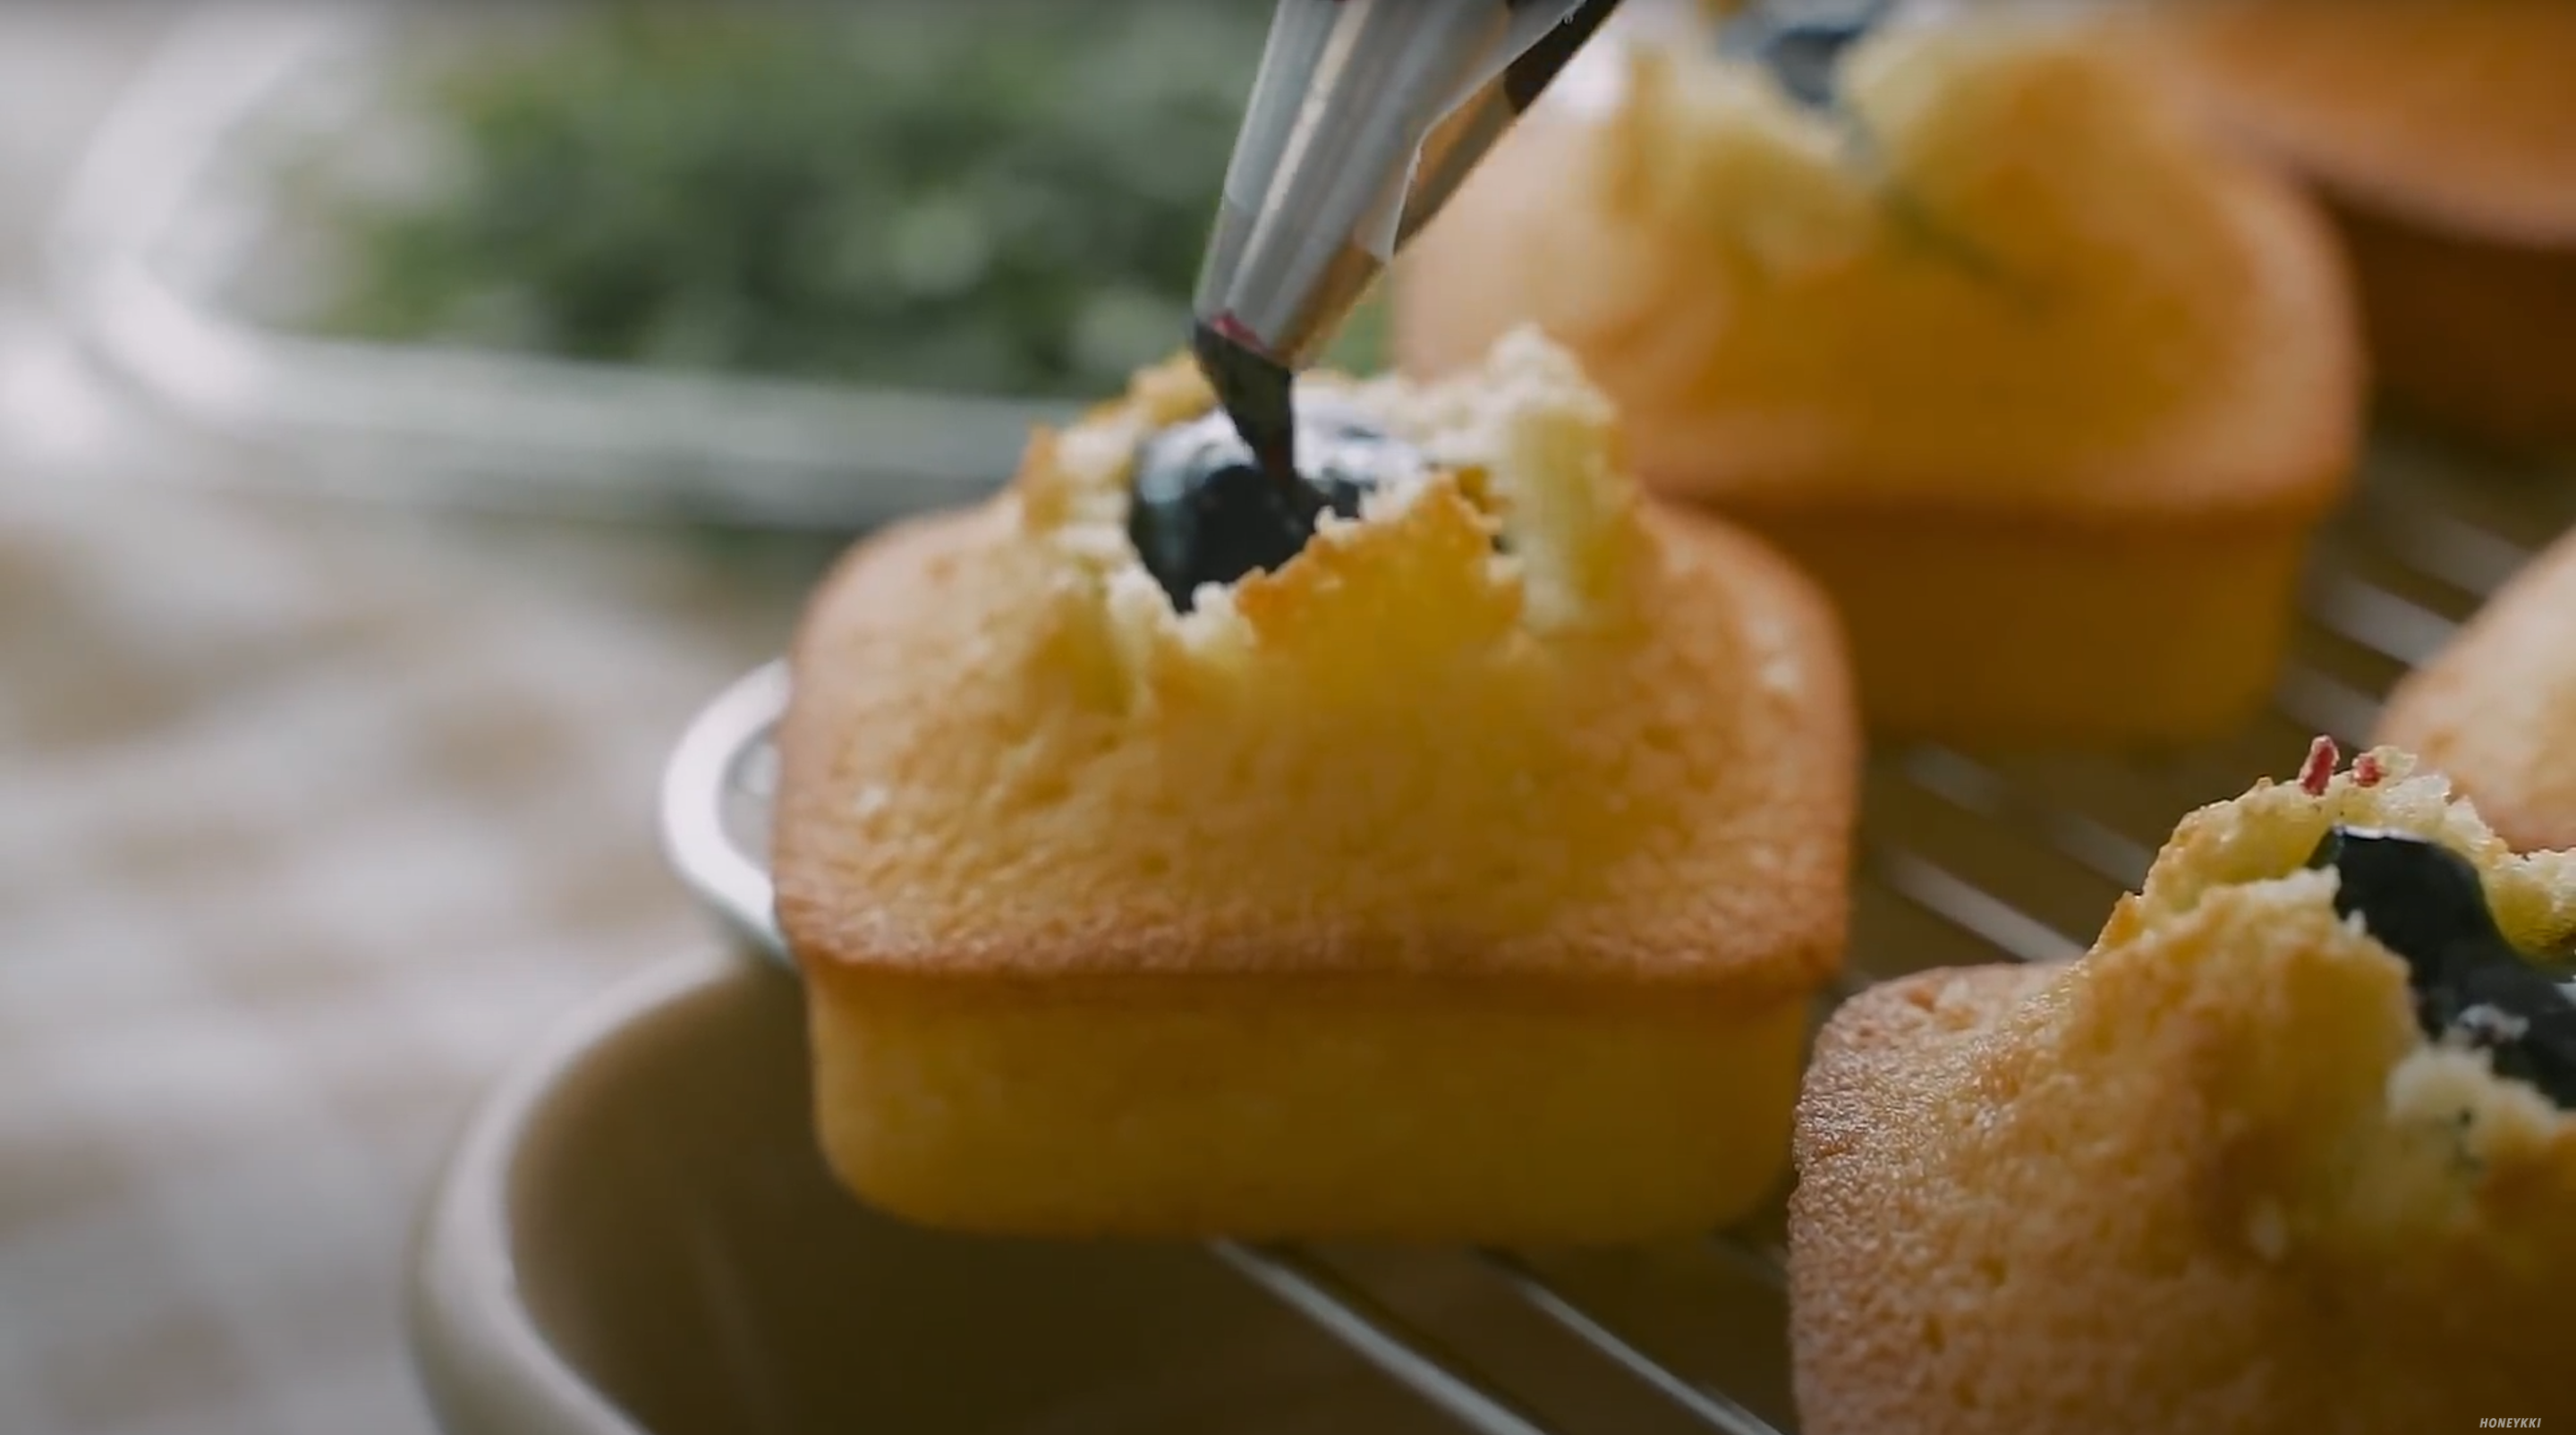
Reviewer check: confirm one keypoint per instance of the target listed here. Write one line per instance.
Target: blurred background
(405, 422)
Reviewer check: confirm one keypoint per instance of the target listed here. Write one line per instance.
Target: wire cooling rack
(1965, 857)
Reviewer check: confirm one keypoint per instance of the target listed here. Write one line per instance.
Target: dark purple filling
(1801, 44)
(1205, 511)
(2426, 903)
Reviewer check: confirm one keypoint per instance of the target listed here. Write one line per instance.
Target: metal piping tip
(1366, 116)
(1254, 390)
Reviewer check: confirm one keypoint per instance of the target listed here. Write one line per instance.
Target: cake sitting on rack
(2443, 135)
(2289, 1149)
(1460, 869)
(2497, 710)
(2043, 384)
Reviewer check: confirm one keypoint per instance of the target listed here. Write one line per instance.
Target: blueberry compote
(1206, 512)
(1801, 44)
(2425, 902)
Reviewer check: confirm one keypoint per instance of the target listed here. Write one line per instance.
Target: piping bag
(1365, 117)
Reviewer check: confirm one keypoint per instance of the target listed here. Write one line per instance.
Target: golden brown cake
(2043, 384)
(1464, 877)
(2497, 710)
(2443, 134)
(2213, 1176)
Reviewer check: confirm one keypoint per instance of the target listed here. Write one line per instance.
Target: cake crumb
(2319, 769)
(1778, 672)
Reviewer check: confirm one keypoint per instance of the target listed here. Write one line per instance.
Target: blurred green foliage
(996, 196)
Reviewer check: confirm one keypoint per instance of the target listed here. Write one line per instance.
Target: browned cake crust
(2466, 333)
(2041, 335)
(2209, 1178)
(2497, 710)
(1405, 891)
(2039, 232)
(2453, 114)
(1668, 821)
(2444, 134)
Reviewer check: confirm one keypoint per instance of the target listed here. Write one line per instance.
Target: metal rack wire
(1965, 858)
(2427, 541)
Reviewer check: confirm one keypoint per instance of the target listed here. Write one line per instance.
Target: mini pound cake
(2044, 385)
(2497, 710)
(2443, 135)
(2289, 1150)
(1463, 873)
